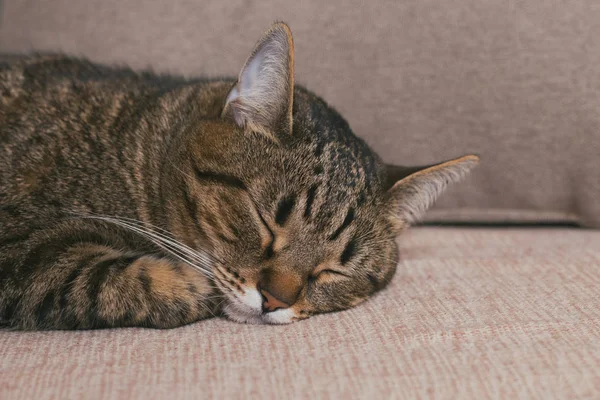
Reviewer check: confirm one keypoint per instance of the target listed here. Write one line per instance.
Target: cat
(133, 199)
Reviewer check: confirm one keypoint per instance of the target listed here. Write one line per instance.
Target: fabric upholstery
(470, 314)
(516, 81)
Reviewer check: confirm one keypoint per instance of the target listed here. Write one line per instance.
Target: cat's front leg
(157, 293)
(91, 286)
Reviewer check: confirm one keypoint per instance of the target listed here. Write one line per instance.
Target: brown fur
(281, 198)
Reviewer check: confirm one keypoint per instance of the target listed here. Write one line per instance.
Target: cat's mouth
(244, 304)
(247, 308)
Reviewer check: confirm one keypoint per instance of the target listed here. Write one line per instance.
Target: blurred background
(517, 81)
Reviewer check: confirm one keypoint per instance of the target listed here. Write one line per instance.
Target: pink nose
(271, 303)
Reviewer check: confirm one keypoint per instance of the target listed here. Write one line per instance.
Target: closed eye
(334, 272)
(328, 273)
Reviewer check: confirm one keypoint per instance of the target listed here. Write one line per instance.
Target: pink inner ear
(250, 74)
(261, 98)
(232, 100)
(233, 94)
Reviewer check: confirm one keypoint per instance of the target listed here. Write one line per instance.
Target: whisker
(166, 234)
(174, 248)
(219, 304)
(207, 309)
(161, 238)
(199, 261)
(143, 224)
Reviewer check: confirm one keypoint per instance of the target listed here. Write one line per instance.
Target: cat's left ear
(262, 98)
(412, 190)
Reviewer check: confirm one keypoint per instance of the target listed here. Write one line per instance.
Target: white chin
(247, 309)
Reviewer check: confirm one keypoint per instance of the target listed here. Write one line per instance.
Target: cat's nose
(270, 302)
(280, 289)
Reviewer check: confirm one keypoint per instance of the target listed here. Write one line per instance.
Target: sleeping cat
(131, 199)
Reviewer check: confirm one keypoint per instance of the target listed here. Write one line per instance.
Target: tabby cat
(131, 199)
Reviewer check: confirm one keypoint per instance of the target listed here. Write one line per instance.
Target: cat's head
(299, 214)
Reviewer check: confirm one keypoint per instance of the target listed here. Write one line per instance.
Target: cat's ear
(262, 98)
(412, 190)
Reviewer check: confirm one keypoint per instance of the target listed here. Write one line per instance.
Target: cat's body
(138, 200)
(79, 139)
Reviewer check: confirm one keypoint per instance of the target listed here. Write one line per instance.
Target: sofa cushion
(471, 314)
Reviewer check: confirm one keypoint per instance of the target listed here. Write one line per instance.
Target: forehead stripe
(347, 221)
(310, 198)
(284, 209)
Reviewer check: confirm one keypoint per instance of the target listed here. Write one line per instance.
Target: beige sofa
(478, 311)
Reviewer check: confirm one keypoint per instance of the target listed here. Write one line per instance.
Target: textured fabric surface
(516, 81)
(471, 313)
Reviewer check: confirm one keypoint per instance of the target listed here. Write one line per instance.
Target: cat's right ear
(412, 190)
(262, 97)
